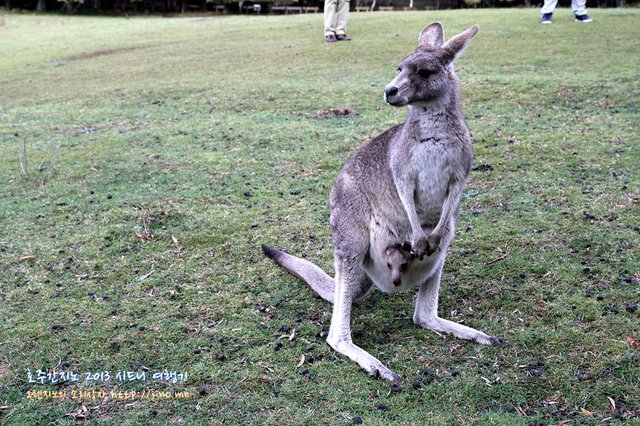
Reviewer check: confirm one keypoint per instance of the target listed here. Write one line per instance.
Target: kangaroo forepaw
(422, 245)
(419, 246)
(433, 243)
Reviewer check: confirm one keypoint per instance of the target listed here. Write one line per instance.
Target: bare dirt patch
(96, 53)
(336, 112)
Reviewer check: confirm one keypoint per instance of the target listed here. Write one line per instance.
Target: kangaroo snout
(392, 96)
(390, 91)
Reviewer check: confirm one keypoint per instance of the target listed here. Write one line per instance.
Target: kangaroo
(400, 189)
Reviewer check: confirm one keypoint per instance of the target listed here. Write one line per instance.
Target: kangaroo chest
(432, 162)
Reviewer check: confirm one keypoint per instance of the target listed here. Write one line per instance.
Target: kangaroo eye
(389, 265)
(424, 73)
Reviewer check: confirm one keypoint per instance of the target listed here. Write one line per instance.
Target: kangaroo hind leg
(351, 283)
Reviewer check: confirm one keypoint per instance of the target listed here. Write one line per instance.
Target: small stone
(396, 388)
(381, 407)
(310, 347)
(535, 372)
(357, 420)
(304, 371)
(631, 308)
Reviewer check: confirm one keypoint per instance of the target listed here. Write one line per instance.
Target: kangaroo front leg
(426, 314)
(405, 185)
(349, 282)
(446, 223)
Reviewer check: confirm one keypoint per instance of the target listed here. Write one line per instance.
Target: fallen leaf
(632, 342)
(81, 413)
(487, 381)
(613, 404)
(553, 399)
(266, 367)
(175, 240)
(141, 236)
(145, 276)
(23, 258)
(586, 412)
(302, 358)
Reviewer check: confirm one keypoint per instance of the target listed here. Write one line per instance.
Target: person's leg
(330, 17)
(549, 6)
(579, 7)
(343, 15)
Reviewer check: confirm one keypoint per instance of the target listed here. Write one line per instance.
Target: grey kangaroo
(399, 192)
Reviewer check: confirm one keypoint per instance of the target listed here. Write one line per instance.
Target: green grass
(206, 133)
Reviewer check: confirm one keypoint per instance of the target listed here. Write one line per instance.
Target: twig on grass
(497, 259)
(23, 158)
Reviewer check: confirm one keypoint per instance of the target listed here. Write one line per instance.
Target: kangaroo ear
(454, 47)
(432, 36)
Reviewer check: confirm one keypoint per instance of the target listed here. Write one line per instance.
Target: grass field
(161, 152)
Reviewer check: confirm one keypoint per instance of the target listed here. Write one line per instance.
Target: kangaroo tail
(317, 279)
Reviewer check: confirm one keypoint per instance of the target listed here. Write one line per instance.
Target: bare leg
(426, 314)
(351, 282)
